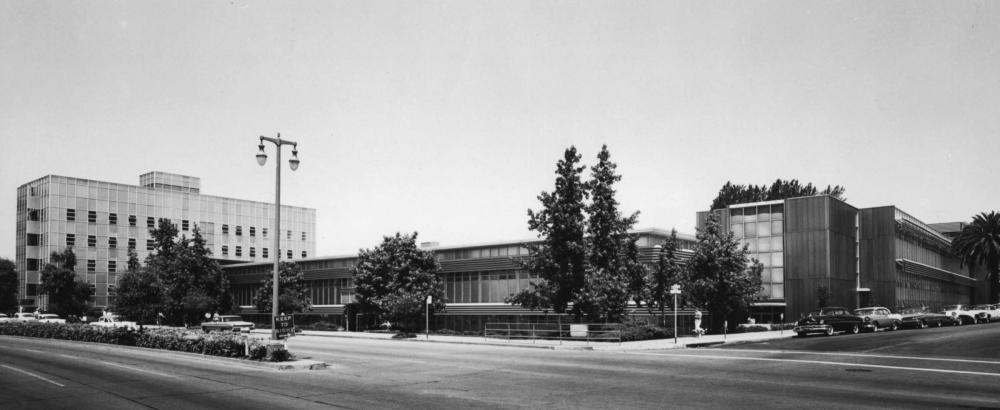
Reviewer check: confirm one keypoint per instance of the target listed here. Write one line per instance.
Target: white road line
(877, 366)
(881, 356)
(70, 357)
(33, 375)
(34, 351)
(170, 376)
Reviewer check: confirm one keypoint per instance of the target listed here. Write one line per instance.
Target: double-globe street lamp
(294, 164)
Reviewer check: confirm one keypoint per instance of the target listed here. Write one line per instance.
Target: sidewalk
(682, 342)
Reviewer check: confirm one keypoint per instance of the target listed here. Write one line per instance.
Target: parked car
(4, 318)
(920, 318)
(227, 323)
(877, 317)
(829, 320)
(113, 321)
(24, 317)
(967, 315)
(992, 312)
(49, 318)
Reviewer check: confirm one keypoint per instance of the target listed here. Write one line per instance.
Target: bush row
(182, 340)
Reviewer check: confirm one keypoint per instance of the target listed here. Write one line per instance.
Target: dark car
(919, 318)
(227, 323)
(829, 320)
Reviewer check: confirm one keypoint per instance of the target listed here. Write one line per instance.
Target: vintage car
(227, 323)
(877, 317)
(992, 312)
(24, 317)
(49, 318)
(4, 318)
(113, 321)
(966, 314)
(920, 318)
(829, 320)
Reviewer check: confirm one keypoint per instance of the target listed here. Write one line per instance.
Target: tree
(668, 271)
(613, 271)
(193, 283)
(8, 286)
(140, 294)
(293, 292)
(68, 294)
(979, 243)
(822, 296)
(720, 275)
(559, 259)
(393, 280)
(780, 189)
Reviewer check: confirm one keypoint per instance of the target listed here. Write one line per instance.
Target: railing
(589, 332)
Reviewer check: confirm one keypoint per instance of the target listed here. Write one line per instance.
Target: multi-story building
(477, 279)
(858, 257)
(102, 220)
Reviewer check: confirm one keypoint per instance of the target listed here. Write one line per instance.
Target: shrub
(631, 333)
(183, 340)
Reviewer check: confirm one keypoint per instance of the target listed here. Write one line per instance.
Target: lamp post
(675, 290)
(294, 164)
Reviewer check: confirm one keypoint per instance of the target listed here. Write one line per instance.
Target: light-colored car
(49, 318)
(227, 323)
(967, 315)
(24, 317)
(877, 317)
(992, 312)
(4, 318)
(114, 321)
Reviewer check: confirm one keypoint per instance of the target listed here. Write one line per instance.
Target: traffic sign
(284, 326)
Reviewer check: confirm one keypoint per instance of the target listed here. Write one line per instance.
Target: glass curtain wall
(761, 229)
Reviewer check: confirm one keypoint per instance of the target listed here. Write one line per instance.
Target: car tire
(829, 331)
(855, 329)
(894, 326)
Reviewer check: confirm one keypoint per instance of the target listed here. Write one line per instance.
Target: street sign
(284, 326)
(675, 289)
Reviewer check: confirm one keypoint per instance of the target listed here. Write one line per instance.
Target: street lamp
(294, 164)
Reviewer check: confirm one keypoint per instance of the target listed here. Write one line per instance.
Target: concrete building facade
(101, 220)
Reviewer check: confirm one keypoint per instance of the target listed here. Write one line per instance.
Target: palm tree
(979, 242)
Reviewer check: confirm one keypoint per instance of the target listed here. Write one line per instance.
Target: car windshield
(231, 319)
(863, 311)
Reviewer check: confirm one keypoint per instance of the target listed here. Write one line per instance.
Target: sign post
(427, 319)
(675, 290)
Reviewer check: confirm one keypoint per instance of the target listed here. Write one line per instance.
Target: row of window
(34, 265)
(253, 252)
(34, 215)
(238, 231)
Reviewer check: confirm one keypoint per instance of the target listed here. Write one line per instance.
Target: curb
(303, 364)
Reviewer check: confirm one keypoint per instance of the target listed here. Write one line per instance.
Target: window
(303, 235)
(304, 254)
(32, 289)
(113, 219)
(184, 225)
(70, 240)
(33, 215)
(70, 214)
(225, 250)
(149, 244)
(92, 217)
(150, 222)
(225, 229)
(289, 236)
(112, 266)
(253, 231)
(91, 265)
(112, 291)
(32, 264)
(253, 252)
(131, 220)
(131, 243)
(239, 230)
(263, 253)
(91, 240)
(239, 251)
(33, 239)
(288, 254)
(263, 232)
(112, 242)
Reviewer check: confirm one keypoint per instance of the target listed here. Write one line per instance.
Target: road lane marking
(876, 366)
(33, 375)
(170, 376)
(34, 351)
(69, 357)
(881, 356)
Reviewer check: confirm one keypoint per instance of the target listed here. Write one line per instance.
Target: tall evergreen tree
(8, 286)
(560, 258)
(979, 243)
(293, 292)
(68, 294)
(667, 272)
(780, 189)
(720, 275)
(139, 295)
(193, 283)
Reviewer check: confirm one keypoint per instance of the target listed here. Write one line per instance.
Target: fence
(590, 332)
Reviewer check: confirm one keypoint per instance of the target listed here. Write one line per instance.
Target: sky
(447, 117)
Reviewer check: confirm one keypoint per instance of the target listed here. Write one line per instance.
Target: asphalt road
(859, 371)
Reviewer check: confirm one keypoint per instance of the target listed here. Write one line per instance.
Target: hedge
(182, 340)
